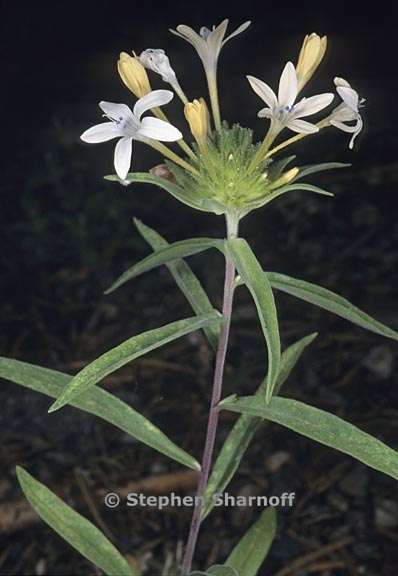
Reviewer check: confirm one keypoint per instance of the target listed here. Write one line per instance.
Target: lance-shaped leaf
(321, 426)
(329, 301)
(180, 249)
(130, 350)
(245, 427)
(98, 402)
(184, 196)
(252, 275)
(282, 190)
(185, 280)
(313, 168)
(252, 549)
(73, 527)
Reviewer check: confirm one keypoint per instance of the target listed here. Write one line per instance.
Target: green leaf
(184, 196)
(73, 527)
(98, 402)
(313, 168)
(216, 570)
(180, 249)
(130, 350)
(329, 301)
(185, 280)
(252, 549)
(321, 426)
(245, 427)
(252, 275)
(282, 190)
(276, 167)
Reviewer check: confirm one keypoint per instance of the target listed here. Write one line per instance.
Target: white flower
(282, 109)
(208, 43)
(158, 61)
(128, 126)
(348, 110)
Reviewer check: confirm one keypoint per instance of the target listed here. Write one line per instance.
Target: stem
(212, 424)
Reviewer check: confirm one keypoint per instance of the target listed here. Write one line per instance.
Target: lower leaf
(73, 527)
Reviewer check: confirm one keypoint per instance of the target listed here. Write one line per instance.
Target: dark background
(66, 234)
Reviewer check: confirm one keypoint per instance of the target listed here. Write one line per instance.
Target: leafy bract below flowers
(223, 171)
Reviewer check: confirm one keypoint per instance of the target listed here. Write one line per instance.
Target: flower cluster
(223, 164)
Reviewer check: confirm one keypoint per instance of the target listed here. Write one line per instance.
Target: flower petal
(122, 159)
(158, 130)
(302, 127)
(308, 106)
(116, 111)
(265, 113)
(239, 30)
(287, 92)
(101, 133)
(344, 127)
(349, 96)
(152, 100)
(264, 91)
(341, 82)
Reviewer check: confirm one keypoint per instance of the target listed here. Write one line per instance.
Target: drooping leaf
(251, 551)
(73, 527)
(180, 249)
(130, 350)
(313, 168)
(184, 196)
(330, 301)
(98, 402)
(245, 427)
(185, 280)
(321, 426)
(252, 275)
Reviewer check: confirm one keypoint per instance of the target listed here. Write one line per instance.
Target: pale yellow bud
(311, 54)
(285, 178)
(198, 118)
(133, 74)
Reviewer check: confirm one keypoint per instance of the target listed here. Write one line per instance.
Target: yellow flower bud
(284, 179)
(133, 74)
(198, 118)
(311, 54)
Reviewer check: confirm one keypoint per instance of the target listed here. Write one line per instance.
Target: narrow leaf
(288, 188)
(185, 280)
(276, 167)
(184, 196)
(252, 549)
(98, 402)
(73, 527)
(128, 351)
(245, 427)
(329, 301)
(313, 168)
(323, 427)
(252, 275)
(180, 249)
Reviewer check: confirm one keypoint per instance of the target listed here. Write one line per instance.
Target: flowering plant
(224, 172)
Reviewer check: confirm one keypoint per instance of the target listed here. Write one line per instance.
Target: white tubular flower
(348, 110)
(158, 61)
(282, 110)
(208, 43)
(128, 126)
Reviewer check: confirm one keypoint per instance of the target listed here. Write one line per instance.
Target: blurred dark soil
(67, 234)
